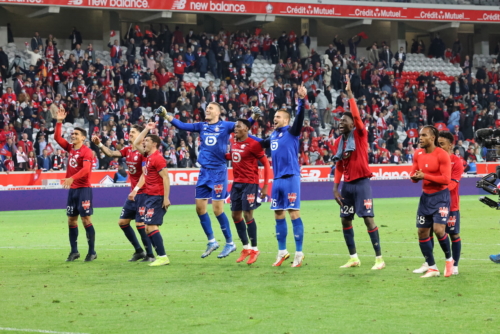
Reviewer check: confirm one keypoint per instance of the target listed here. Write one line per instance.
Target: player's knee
(424, 233)
(454, 236)
(139, 224)
(346, 223)
(248, 215)
(151, 228)
(218, 208)
(86, 221)
(236, 215)
(369, 222)
(72, 221)
(123, 222)
(279, 214)
(294, 214)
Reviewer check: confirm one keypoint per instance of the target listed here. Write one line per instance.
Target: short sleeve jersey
(155, 163)
(133, 159)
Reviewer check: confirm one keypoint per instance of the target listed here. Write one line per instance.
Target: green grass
(38, 290)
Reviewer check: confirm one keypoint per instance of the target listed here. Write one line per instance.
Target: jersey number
(236, 157)
(421, 220)
(210, 140)
(347, 209)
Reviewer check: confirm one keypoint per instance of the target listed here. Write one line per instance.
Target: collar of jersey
(283, 129)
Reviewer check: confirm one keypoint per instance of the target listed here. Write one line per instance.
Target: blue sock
(444, 242)
(281, 232)
(375, 241)
(73, 238)
(349, 239)
(207, 225)
(224, 226)
(130, 234)
(426, 248)
(157, 240)
(252, 232)
(242, 231)
(145, 240)
(89, 229)
(456, 248)
(298, 233)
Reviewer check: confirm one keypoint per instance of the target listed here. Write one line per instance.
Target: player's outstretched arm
(192, 127)
(61, 116)
(299, 118)
(139, 185)
(166, 188)
(143, 134)
(107, 152)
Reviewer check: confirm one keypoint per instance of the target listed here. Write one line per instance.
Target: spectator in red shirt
(178, 37)
(25, 143)
(179, 68)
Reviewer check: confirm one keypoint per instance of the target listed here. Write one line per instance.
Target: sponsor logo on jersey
(368, 204)
(452, 221)
(86, 205)
(150, 213)
(218, 188)
(251, 198)
(292, 197)
(443, 211)
(142, 210)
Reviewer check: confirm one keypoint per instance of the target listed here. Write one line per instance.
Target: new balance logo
(443, 211)
(179, 4)
(75, 2)
(368, 204)
(86, 205)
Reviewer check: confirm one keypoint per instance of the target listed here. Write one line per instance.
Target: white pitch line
(35, 331)
(200, 250)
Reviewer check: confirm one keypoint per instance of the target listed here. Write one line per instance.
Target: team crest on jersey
(452, 221)
(150, 213)
(243, 146)
(216, 129)
(142, 210)
(368, 204)
(86, 205)
(292, 197)
(251, 198)
(218, 189)
(136, 158)
(443, 211)
(281, 134)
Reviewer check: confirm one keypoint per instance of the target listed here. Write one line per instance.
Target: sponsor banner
(32, 180)
(283, 9)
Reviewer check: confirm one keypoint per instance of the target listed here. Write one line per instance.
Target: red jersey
(155, 163)
(244, 155)
(76, 161)
(359, 168)
(437, 169)
(457, 169)
(134, 161)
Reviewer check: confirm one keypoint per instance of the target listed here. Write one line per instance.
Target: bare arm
(139, 185)
(166, 188)
(108, 152)
(143, 134)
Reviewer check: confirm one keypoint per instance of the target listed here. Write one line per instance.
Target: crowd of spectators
(147, 70)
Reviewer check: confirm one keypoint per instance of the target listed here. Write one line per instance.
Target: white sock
(354, 256)
(255, 249)
(299, 253)
(450, 259)
(246, 247)
(434, 267)
(211, 240)
(230, 243)
(282, 252)
(162, 255)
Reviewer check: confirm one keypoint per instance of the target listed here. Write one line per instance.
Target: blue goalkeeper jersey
(284, 144)
(214, 139)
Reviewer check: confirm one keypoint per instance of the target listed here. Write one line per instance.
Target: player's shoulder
(254, 139)
(419, 151)
(455, 159)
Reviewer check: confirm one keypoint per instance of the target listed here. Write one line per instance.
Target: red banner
(190, 176)
(284, 9)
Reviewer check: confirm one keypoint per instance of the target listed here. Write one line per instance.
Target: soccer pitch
(40, 292)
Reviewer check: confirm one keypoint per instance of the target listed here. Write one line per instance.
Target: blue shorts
(357, 199)
(453, 226)
(134, 209)
(154, 210)
(79, 202)
(212, 183)
(244, 197)
(433, 209)
(286, 193)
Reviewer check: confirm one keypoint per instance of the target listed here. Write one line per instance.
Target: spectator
(44, 161)
(75, 38)
(116, 52)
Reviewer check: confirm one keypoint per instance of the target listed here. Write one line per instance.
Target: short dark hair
(348, 114)
(138, 127)
(447, 135)
(245, 121)
(155, 139)
(435, 132)
(82, 131)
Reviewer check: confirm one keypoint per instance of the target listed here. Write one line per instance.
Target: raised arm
(191, 127)
(143, 134)
(61, 116)
(107, 152)
(299, 118)
(358, 122)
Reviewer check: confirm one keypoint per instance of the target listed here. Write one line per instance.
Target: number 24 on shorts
(347, 209)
